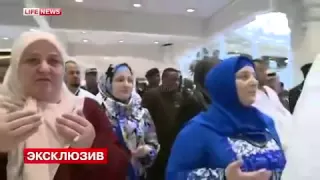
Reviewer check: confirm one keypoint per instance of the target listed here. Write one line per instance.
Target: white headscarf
(303, 153)
(47, 136)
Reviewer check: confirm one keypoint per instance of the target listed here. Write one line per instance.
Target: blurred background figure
(153, 78)
(5, 56)
(141, 86)
(91, 81)
(284, 96)
(268, 101)
(273, 82)
(295, 92)
(163, 103)
(72, 80)
(216, 55)
(197, 99)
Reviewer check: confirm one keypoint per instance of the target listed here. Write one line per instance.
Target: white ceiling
(107, 22)
(104, 37)
(115, 27)
(176, 7)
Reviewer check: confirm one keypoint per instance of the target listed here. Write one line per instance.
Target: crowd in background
(228, 122)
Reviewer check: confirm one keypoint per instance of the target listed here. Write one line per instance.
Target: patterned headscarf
(105, 83)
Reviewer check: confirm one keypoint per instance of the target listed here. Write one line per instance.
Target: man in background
(295, 92)
(273, 82)
(163, 103)
(216, 54)
(91, 81)
(284, 95)
(153, 78)
(72, 80)
(268, 102)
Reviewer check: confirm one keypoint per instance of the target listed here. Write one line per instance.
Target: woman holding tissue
(132, 123)
(38, 111)
(232, 140)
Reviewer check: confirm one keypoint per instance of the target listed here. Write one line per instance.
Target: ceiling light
(85, 40)
(83, 32)
(33, 30)
(137, 5)
(190, 10)
(78, 0)
(5, 38)
(156, 42)
(121, 41)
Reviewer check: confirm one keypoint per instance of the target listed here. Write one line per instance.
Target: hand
(141, 151)
(10, 105)
(76, 129)
(233, 172)
(16, 127)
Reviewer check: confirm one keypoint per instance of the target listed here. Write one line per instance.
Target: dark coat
(163, 107)
(294, 95)
(193, 103)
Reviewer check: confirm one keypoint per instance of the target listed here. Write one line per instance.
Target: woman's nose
(44, 67)
(127, 84)
(254, 81)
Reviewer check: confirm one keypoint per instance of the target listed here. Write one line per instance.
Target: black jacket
(194, 101)
(294, 95)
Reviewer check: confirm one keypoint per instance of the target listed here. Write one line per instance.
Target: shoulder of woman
(90, 105)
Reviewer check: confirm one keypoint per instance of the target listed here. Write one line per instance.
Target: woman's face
(247, 85)
(40, 71)
(122, 84)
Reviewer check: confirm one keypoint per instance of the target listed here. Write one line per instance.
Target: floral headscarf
(105, 81)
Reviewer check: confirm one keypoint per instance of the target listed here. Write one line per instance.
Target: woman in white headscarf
(38, 111)
(304, 146)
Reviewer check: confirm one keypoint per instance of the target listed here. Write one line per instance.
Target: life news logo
(42, 11)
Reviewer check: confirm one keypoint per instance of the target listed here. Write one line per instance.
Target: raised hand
(233, 172)
(16, 127)
(76, 129)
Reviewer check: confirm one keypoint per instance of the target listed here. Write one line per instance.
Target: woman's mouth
(43, 80)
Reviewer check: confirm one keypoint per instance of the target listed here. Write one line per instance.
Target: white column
(222, 47)
(305, 36)
(255, 51)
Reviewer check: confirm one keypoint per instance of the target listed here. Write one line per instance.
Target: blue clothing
(226, 132)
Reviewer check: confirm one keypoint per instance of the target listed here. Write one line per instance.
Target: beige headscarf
(47, 136)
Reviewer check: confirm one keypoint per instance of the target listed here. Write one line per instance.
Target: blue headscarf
(227, 115)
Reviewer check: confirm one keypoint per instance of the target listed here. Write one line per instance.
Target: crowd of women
(230, 126)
